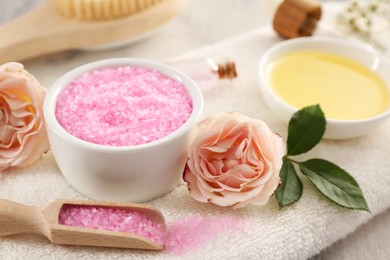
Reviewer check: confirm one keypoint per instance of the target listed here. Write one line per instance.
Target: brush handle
(43, 30)
(16, 218)
(31, 35)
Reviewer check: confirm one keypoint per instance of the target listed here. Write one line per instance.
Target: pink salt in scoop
(87, 223)
(123, 106)
(121, 225)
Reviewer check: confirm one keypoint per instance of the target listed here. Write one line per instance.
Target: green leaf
(305, 129)
(290, 190)
(335, 183)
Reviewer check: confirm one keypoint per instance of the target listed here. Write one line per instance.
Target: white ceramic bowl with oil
(358, 52)
(121, 173)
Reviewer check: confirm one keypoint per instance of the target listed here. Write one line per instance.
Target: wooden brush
(101, 9)
(16, 218)
(45, 30)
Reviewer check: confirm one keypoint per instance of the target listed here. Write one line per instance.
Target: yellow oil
(344, 88)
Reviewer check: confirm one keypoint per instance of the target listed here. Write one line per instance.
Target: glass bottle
(205, 71)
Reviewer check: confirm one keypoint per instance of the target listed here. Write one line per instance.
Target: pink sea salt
(122, 106)
(112, 219)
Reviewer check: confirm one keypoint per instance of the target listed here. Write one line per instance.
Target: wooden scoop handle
(16, 218)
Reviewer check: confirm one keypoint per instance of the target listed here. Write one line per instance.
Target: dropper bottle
(205, 71)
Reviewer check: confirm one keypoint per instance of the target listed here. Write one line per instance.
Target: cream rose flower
(23, 136)
(234, 161)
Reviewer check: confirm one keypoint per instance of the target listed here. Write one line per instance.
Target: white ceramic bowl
(359, 52)
(128, 173)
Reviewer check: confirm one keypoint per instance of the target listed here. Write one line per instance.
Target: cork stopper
(227, 70)
(296, 18)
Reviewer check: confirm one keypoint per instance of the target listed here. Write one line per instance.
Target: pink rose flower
(23, 136)
(234, 161)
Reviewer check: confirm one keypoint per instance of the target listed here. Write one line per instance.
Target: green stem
(291, 160)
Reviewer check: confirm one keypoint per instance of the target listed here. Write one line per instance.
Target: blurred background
(201, 23)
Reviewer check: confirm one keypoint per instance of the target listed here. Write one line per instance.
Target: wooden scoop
(16, 218)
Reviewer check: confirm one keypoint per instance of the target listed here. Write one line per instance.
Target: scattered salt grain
(112, 219)
(122, 106)
(195, 231)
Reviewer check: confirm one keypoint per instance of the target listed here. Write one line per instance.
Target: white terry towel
(296, 232)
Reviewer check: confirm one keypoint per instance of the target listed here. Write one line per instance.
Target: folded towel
(296, 232)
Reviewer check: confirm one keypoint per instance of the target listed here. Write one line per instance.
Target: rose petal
(233, 180)
(207, 187)
(205, 170)
(230, 134)
(8, 136)
(197, 187)
(40, 144)
(215, 167)
(212, 149)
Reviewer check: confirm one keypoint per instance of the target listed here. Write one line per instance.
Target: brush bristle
(101, 9)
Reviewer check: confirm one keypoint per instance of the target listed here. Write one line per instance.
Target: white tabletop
(202, 22)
